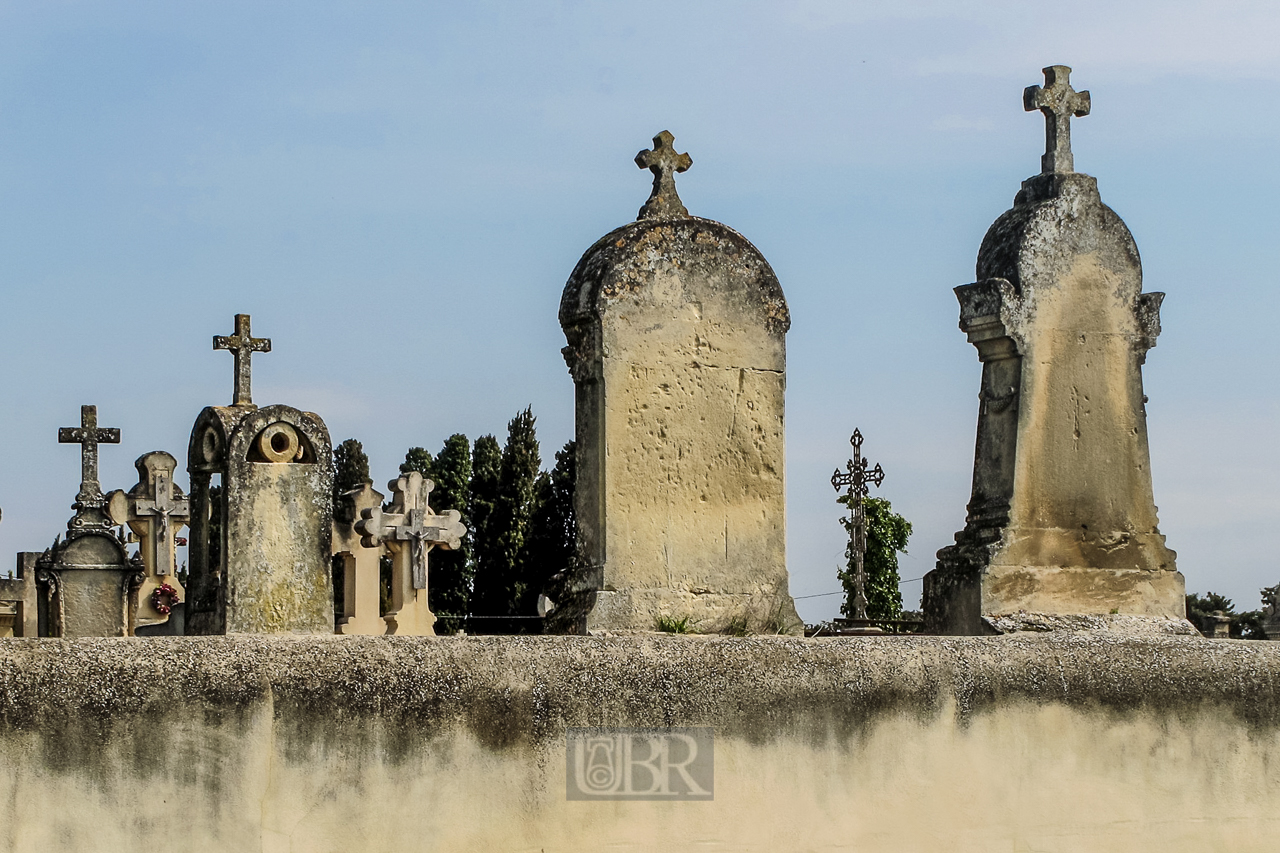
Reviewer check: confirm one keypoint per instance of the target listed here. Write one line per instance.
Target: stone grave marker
(410, 530)
(156, 510)
(361, 564)
(260, 546)
(88, 585)
(676, 329)
(1062, 521)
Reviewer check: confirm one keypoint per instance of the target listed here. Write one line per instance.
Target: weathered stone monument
(1062, 522)
(260, 543)
(676, 328)
(409, 530)
(361, 564)
(156, 510)
(87, 583)
(1271, 612)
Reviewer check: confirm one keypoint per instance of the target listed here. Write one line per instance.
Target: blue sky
(397, 192)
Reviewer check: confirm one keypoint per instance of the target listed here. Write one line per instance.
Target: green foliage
(1246, 625)
(737, 627)
(887, 534)
(350, 468)
(450, 573)
(501, 582)
(552, 539)
(674, 625)
(482, 498)
(418, 459)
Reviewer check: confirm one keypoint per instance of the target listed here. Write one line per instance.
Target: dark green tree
(418, 459)
(553, 534)
(482, 496)
(887, 534)
(450, 573)
(350, 471)
(501, 585)
(1244, 626)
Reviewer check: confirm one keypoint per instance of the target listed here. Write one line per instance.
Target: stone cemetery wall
(1061, 742)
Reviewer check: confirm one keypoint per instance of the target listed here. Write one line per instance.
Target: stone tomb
(676, 328)
(87, 583)
(260, 545)
(361, 564)
(1062, 521)
(155, 510)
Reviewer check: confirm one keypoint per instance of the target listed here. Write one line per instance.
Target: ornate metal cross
(1059, 102)
(857, 479)
(89, 436)
(664, 202)
(242, 344)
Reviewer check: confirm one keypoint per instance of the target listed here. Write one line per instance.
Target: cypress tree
(504, 582)
(418, 459)
(450, 573)
(486, 469)
(553, 534)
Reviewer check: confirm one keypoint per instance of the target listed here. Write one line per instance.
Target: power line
(841, 592)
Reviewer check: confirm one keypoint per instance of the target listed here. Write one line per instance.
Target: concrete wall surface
(1059, 742)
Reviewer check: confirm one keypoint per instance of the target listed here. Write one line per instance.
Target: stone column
(677, 346)
(1062, 521)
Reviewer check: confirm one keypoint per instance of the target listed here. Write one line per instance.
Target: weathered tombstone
(677, 346)
(19, 607)
(361, 565)
(1062, 522)
(1271, 612)
(260, 545)
(410, 530)
(88, 585)
(155, 510)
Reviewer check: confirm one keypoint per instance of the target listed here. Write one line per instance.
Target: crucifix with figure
(410, 529)
(90, 502)
(856, 478)
(1059, 102)
(242, 345)
(155, 510)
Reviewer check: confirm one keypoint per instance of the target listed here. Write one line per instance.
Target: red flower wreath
(163, 598)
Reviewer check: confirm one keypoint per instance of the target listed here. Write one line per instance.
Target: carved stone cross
(89, 436)
(410, 530)
(361, 567)
(1059, 102)
(155, 509)
(857, 479)
(664, 202)
(242, 344)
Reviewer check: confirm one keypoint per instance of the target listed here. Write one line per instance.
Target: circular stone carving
(210, 445)
(279, 442)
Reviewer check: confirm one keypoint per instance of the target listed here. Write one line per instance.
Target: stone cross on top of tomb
(242, 344)
(89, 500)
(664, 202)
(412, 522)
(155, 509)
(1059, 102)
(857, 479)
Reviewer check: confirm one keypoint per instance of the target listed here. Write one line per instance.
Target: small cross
(243, 345)
(1059, 102)
(411, 520)
(88, 436)
(664, 202)
(165, 509)
(857, 479)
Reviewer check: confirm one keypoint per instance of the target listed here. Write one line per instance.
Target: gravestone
(361, 596)
(260, 545)
(19, 600)
(410, 530)
(87, 583)
(1062, 521)
(1271, 612)
(156, 510)
(676, 329)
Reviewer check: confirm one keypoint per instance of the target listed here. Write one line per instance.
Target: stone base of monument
(1121, 623)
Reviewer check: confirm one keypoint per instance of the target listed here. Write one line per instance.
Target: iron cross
(664, 202)
(89, 436)
(1059, 102)
(857, 479)
(242, 344)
